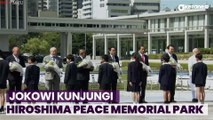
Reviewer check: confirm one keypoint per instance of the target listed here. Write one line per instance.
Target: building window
(119, 11)
(117, 4)
(146, 4)
(102, 5)
(14, 18)
(211, 19)
(3, 16)
(21, 16)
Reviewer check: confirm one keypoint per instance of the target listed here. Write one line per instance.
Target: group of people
(137, 76)
(77, 77)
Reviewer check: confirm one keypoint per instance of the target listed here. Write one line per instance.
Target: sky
(174, 3)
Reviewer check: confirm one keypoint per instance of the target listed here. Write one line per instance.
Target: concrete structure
(87, 9)
(68, 26)
(69, 8)
(102, 9)
(185, 29)
(47, 5)
(33, 8)
(43, 5)
(141, 6)
(13, 20)
(48, 13)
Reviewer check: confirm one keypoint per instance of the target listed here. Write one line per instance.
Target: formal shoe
(2, 109)
(195, 100)
(166, 102)
(173, 101)
(144, 101)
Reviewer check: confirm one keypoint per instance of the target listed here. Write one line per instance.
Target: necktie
(142, 58)
(17, 59)
(113, 59)
(53, 58)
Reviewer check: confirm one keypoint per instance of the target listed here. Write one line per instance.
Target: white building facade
(103, 9)
(141, 6)
(184, 29)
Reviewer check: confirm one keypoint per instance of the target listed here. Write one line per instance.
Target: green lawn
(156, 66)
(123, 84)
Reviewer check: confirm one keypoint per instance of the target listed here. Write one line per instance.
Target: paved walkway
(152, 97)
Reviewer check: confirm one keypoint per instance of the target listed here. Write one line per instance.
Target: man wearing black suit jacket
(32, 74)
(170, 51)
(114, 58)
(70, 79)
(83, 74)
(4, 71)
(105, 75)
(145, 59)
(15, 78)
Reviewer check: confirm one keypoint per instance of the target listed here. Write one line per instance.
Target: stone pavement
(151, 96)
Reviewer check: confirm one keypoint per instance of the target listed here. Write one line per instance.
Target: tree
(79, 42)
(52, 38)
(36, 46)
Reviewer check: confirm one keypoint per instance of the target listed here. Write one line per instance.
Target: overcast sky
(174, 3)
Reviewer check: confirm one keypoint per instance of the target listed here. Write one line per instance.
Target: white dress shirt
(191, 61)
(16, 58)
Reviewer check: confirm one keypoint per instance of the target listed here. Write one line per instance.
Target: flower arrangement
(116, 67)
(14, 66)
(53, 66)
(174, 63)
(85, 63)
(146, 67)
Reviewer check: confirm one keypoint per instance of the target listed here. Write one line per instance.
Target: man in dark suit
(70, 79)
(145, 59)
(114, 58)
(15, 78)
(32, 74)
(173, 61)
(4, 71)
(83, 74)
(105, 75)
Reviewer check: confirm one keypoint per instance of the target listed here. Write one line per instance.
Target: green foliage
(183, 56)
(36, 46)
(156, 66)
(155, 56)
(206, 50)
(79, 42)
(39, 43)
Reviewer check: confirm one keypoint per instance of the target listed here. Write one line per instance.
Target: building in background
(69, 8)
(43, 5)
(186, 30)
(141, 6)
(65, 8)
(13, 20)
(50, 5)
(33, 8)
(87, 6)
(102, 9)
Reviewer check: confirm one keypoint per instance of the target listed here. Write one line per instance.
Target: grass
(156, 66)
(123, 84)
(181, 56)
